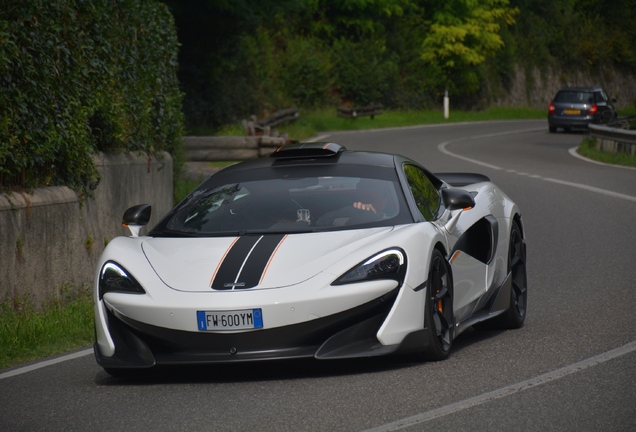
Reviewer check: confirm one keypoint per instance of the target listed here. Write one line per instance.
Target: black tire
(438, 314)
(552, 129)
(514, 317)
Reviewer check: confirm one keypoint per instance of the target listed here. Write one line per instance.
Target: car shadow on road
(276, 370)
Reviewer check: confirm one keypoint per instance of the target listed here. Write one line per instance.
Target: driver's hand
(363, 206)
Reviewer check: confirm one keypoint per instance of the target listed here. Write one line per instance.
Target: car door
(469, 273)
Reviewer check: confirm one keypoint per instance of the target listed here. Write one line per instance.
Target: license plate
(230, 320)
(571, 111)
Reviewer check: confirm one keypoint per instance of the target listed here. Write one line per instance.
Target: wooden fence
(265, 126)
(355, 112)
(229, 148)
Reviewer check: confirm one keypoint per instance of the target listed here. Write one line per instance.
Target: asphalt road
(571, 368)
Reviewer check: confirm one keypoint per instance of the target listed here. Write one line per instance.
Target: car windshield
(265, 202)
(580, 97)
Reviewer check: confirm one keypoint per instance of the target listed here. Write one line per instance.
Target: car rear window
(568, 96)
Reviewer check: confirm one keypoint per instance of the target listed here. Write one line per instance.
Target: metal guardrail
(615, 131)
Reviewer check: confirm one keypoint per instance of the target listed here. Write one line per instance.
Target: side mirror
(136, 217)
(455, 199)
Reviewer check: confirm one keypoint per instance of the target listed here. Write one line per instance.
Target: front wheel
(438, 313)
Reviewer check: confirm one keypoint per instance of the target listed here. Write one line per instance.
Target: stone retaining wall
(50, 240)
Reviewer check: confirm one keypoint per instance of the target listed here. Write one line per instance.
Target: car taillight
(593, 109)
(551, 108)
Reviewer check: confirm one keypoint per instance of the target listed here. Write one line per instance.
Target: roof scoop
(308, 150)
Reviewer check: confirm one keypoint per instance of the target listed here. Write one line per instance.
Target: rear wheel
(438, 315)
(552, 129)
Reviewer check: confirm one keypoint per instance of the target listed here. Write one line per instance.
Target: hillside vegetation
(245, 56)
(82, 76)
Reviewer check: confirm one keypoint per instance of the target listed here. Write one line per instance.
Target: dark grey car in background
(577, 107)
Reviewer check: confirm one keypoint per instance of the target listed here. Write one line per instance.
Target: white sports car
(315, 251)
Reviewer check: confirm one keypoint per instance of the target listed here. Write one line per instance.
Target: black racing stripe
(257, 261)
(233, 262)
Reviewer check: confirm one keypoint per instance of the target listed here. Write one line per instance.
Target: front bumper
(351, 333)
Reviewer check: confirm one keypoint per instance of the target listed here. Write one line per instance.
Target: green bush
(305, 72)
(77, 77)
(365, 72)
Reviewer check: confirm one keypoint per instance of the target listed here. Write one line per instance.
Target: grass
(588, 149)
(312, 122)
(29, 331)
(627, 112)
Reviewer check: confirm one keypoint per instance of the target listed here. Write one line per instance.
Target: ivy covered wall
(82, 76)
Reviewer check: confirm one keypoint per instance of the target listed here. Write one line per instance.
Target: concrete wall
(49, 239)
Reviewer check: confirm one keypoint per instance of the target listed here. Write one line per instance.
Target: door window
(424, 192)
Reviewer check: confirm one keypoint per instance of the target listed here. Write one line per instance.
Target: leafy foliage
(306, 72)
(78, 77)
(576, 33)
(463, 34)
(244, 56)
(366, 71)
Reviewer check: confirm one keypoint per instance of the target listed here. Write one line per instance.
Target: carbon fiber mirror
(455, 199)
(137, 215)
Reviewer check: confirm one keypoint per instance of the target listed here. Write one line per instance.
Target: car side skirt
(497, 304)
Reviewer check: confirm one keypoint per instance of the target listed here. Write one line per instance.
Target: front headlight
(389, 264)
(114, 278)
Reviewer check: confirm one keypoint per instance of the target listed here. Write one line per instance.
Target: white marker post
(446, 104)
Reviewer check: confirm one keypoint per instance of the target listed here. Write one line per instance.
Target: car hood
(257, 261)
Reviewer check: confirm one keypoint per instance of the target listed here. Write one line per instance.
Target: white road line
(442, 148)
(45, 363)
(591, 189)
(423, 126)
(507, 391)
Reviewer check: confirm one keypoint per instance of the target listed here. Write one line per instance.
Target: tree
(462, 35)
